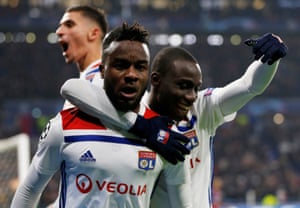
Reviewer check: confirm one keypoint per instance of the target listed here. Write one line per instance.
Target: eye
(184, 85)
(141, 66)
(69, 24)
(187, 85)
(120, 64)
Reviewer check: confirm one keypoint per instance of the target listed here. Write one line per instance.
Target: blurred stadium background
(257, 156)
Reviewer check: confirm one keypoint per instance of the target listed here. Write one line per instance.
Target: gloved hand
(270, 46)
(160, 138)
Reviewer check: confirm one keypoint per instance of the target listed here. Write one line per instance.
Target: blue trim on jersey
(211, 170)
(190, 125)
(63, 192)
(93, 71)
(98, 138)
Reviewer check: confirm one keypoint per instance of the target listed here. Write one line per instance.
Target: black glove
(167, 143)
(269, 46)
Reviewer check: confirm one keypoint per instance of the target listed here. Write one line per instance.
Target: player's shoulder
(147, 112)
(207, 92)
(52, 132)
(75, 119)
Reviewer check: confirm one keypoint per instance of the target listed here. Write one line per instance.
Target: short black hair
(135, 32)
(163, 60)
(95, 14)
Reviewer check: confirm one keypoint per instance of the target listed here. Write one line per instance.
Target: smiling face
(176, 90)
(126, 73)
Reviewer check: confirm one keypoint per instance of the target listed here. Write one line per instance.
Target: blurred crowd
(254, 155)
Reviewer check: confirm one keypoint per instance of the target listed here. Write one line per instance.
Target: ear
(155, 78)
(94, 33)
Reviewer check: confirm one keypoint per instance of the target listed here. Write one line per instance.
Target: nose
(191, 95)
(131, 74)
(59, 31)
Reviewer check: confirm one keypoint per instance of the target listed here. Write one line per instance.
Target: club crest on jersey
(146, 160)
(194, 141)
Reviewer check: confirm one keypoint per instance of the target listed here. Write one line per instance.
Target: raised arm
(268, 51)
(158, 137)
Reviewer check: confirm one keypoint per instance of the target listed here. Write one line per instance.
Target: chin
(180, 115)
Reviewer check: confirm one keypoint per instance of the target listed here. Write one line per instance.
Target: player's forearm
(93, 100)
(28, 193)
(255, 80)
(259, 76)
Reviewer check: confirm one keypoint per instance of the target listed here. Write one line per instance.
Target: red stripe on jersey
(96, 65)
(90, 77)
(150, 114)
(75, 119)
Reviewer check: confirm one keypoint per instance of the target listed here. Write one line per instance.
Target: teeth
(185, 108)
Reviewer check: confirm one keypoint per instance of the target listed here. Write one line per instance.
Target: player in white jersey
(102, 167)
(80, 33)
(175, 80)
(92, 73)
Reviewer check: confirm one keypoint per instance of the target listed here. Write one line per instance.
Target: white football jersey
(100, 167)
(200, 127)
(92, 74)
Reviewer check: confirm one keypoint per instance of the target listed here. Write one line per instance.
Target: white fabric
(94, 95)
(91, 74)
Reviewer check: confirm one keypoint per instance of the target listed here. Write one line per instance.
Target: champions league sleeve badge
(45, 131)
(146, 160)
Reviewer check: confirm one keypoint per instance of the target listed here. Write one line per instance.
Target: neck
(90, 57)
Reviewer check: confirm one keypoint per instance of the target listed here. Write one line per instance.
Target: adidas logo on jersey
(87, 157)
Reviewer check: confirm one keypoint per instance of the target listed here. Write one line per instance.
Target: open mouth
(128, 92)
(64, 46)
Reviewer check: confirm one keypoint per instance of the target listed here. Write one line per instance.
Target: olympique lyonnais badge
(147, 160)
(193, 139)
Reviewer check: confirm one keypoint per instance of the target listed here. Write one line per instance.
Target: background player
(80, 33)
(176, 78)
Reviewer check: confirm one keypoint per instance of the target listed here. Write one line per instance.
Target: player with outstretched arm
(175, 80)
